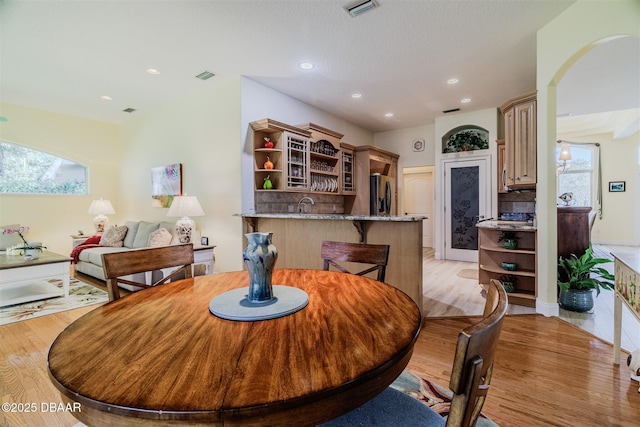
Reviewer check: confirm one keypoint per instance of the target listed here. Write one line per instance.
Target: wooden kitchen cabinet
(502, 167)
(289, 155)
(492, 254)
(348, 169)
(324, 159)
(520, 141)
(369, 160)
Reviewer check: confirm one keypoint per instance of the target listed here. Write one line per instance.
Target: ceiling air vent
(360, 7)
(129, 110)
(205, 75)
(453, 110)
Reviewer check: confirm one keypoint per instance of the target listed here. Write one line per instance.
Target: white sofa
(137, 237)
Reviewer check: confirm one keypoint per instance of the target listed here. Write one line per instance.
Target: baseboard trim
(546, 309)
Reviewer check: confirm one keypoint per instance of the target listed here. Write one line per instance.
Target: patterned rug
(431, 394)
(80, 294)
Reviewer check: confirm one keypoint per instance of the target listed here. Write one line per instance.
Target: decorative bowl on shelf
(509, 266)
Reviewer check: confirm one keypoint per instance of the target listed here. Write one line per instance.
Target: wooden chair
(470, 378)
(118, 264)
(356, 252)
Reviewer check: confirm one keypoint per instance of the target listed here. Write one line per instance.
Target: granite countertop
(408, 218)
(507, 225)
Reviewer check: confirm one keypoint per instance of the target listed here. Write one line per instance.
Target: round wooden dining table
(159, 357)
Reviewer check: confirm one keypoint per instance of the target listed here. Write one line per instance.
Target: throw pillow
(144, 231)
(132, 227)
(113, 236)
(160, 237)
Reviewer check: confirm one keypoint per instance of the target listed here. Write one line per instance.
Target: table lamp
(101, 208)
(185, 206)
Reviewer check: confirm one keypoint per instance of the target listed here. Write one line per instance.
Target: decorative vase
(260, 257)
(33, 253)
(509, 287)
(511, 244)
(579, 300)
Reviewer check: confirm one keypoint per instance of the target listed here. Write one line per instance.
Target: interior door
(418, 198)
(467, 198)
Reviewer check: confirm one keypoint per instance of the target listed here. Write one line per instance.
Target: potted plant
(578, 277)
(29, 248)
(510, 239)
(508, 282)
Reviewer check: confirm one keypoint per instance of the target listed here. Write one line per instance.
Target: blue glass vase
(260, 257)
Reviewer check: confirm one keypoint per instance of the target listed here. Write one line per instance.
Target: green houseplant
(510, 239)
(579, 276)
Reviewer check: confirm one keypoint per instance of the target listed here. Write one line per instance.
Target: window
(27, 171)
(580, 176)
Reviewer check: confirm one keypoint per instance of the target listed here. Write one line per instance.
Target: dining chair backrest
(362, 253)
(118, 264)
(473, 360)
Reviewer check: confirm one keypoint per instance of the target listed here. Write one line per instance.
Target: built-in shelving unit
(348, 168)
(289, 156)
(493, 253)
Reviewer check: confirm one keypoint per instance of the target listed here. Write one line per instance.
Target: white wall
(559, 45)
(204, 134)
(401, 142)
(260, 102)
(53, 218)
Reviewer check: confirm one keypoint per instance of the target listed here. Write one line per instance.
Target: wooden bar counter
(298, 239)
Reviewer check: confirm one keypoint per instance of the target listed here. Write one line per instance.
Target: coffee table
(24, 281)
(159, 357)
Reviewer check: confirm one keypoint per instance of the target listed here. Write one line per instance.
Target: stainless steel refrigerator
(382, 195)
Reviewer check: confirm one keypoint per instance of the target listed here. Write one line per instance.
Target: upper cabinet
(324, 159)
(281, 156)
(306, 158)
(520, 148)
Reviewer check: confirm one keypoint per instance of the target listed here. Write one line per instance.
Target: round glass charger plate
(233, 305)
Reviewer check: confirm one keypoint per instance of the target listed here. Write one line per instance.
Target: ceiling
(62, 56)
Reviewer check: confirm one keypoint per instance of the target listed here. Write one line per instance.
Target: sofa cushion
(171, 226)
(160, 237)
(132, 227)
(7, 240)
(114, 236)
(94, 255)
(144, 231)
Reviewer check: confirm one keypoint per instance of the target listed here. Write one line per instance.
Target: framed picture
(616, 186)
(204, 241)
(166, 183)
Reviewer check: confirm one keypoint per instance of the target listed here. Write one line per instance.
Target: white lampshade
(185, 206)
(100, 208)
(565, 151)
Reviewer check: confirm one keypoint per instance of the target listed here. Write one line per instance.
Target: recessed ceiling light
(389, 115)
(356, 95)
(465, 100)
(305, 65)
(452, 81)
(106, 97)
(152, 71)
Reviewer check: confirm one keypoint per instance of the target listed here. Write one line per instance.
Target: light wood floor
(548, 372)
(448, 291)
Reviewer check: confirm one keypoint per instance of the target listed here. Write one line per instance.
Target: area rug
(468, 273)
(431, 394)
(80, 294)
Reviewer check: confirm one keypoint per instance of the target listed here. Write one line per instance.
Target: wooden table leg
(617, 328)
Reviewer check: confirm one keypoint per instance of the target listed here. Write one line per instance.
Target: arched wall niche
(465, 138)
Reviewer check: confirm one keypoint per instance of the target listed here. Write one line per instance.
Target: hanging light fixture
(563, 159)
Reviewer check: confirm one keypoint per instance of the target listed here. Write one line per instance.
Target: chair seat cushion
(431, 394)
(389, 408)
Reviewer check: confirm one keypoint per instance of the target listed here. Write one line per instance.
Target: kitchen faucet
(301, 203)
